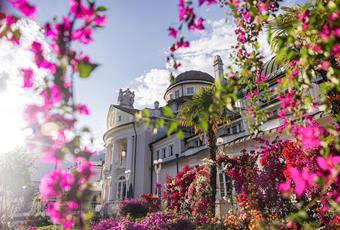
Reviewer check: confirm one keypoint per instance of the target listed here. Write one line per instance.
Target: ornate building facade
(132, 149)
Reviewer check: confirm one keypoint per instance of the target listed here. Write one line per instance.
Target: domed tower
(184, 86)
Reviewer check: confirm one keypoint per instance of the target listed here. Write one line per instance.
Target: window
(119, 118)
(177, 94)
(157, 155)
(164, 152)
(240, 129)
(228, 130)
(121, 188)
(190, 90)
(171, 150)
(234, 129)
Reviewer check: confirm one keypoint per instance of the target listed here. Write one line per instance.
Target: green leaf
(180, 134)
(85, 69)
(167, 111)
(101, 8)
(172, 127)
(203, 125)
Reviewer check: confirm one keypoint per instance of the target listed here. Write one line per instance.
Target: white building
(132, 148)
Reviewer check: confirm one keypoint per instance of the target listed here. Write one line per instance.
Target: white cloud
(150, 87)
(216, 40)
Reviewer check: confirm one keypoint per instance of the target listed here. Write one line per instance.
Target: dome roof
(193, 75)
(271, 68)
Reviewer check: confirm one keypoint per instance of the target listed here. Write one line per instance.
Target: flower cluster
(189, 193)
(53, 118)
(132, 208)
(154, 221)
(152, 203)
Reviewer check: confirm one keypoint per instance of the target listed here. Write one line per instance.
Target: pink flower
(328, 164)
(262, 7)
(246, 16)
(25, 8)
(324, 65)
(82, 109)
(172, 32)
(295, 72)
(198, 25)
(61, 213)
(40, 60)
(309, 135)
(83, 35)
(208, 2)
(84, 168)
(54, 183)
(10, 20)
(302, 180)
(100, 20)
(28, 78)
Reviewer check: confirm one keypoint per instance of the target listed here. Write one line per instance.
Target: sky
(131, 51)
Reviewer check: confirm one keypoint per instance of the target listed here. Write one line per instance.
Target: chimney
(156, 104)
(218, 67)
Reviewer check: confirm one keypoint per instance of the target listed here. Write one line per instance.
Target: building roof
(193, 75)
(131, 111)
(271, 68)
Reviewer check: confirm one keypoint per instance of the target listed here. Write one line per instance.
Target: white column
(129, 153)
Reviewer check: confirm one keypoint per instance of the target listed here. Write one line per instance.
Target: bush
(168, 220)
(154, 221)
(152, 203)
(112, 224)
(132, 208)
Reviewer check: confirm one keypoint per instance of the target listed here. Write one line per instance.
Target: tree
(204, 115)
(15, 178)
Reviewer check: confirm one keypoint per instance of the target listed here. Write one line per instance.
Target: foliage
(132, 208)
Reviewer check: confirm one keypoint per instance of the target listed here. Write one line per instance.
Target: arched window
(121, 188)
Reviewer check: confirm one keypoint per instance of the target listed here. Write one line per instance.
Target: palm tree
(202, 113)
(280, 26)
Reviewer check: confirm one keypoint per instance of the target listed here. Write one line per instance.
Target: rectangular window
(119, 118)
(164, 152)
(177, 94)
(240, 129)
(228, 130)
(190, 90)
(171, 150)
(234, 129)
(157, 155)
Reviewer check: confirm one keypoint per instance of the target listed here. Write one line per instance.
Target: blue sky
(133, 42)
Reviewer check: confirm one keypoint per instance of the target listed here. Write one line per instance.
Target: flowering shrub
(112, 224)
(153, 204)
(154, 221)
(189, 193)
(132, 208)
(167, 220)
(284, 167)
